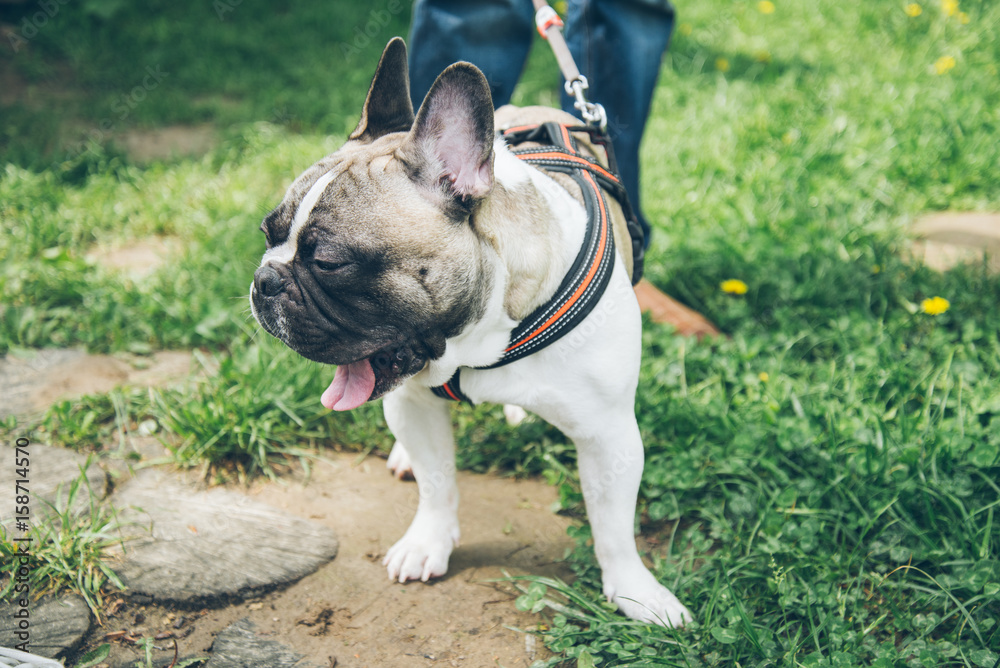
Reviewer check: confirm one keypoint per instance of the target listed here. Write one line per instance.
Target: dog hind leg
(610, 460)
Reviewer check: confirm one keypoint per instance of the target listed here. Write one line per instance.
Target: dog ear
(387, 107)
(454, 133)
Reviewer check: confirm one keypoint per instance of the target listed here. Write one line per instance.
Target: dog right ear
(453, 134)
(387, 107)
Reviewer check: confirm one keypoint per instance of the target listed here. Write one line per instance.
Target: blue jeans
(617, 44)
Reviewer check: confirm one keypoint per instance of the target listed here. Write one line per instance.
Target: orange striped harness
(586, 280)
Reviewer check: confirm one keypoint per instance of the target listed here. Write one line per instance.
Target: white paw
(515, 414)
(399, 462)
(641, 597)
(422, 553)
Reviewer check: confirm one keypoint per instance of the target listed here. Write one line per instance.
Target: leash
(550, 28)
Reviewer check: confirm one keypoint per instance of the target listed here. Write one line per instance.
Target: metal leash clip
(592, 112)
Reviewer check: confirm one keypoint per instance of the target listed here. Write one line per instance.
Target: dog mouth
(370, 377)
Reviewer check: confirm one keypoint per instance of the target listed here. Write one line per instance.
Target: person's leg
(493, 35)
(618, 46)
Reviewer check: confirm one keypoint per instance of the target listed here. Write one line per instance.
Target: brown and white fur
(414, 250)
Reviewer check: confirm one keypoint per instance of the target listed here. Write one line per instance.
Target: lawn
(821, 485)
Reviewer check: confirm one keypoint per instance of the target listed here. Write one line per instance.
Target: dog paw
(399, 462)
(644, 599)
(421, 554)
(515, 414)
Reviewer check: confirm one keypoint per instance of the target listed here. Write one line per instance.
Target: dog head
(372, 258)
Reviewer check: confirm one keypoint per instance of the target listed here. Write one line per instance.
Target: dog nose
(267, 281)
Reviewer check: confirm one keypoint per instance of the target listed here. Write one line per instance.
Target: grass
(821, 487)
(67, 551)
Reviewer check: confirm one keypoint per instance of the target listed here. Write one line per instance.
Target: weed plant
(68, 550)
(821, 485)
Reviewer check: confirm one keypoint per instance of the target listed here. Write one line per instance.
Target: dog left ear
(454, 133)
(387, 107)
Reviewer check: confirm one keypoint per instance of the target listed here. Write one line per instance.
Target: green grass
(821, 488)
(67, 551)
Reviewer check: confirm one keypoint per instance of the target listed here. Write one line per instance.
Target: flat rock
(32, 380)
(240, 646)
(169, 142)
(57, 625)
(51, 472)
(187, 545)
(947, 239)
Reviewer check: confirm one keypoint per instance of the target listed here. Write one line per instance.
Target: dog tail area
(352, 385)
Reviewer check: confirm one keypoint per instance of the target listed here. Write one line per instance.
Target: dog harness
(587, 278)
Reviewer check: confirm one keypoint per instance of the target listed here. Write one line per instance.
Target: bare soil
(350, 612)
(347, 613)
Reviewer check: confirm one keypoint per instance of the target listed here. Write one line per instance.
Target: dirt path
(348, 610)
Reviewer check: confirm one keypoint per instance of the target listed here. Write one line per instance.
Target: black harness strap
(587, 278)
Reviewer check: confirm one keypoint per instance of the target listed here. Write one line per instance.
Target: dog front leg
(423, 423)
(610, 464)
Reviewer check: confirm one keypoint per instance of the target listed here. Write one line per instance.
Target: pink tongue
(352, 385)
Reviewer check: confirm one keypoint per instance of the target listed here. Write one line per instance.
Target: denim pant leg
(618, 46)
(493, 35)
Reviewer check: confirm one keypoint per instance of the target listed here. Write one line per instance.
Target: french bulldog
(413, 251)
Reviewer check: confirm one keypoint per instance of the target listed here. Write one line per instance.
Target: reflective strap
(590, 273)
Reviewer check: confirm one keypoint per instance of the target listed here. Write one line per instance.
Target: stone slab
(188, 545)
(240, 646)
(33, 380)
(57, 625)
(945, 240)
(51, 473)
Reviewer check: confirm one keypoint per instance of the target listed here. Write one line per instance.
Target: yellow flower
(764, 377)
(684, 29)
(949, 7)
(734, 286)
(913, 10)
(934, 305)
(944, 63)
(765, 7)
(763, 57)
(722, 64)
(963, 18)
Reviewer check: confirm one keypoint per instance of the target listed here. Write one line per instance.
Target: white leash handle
(17, 659)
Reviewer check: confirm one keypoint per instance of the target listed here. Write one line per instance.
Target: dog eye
(267, 237)
(324, 265)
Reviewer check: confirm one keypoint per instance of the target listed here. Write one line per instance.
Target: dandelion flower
(944, 64)
(734, 286)
(767, 7)
(935, 305)
(913, 10)
(685, 29)
(764, 376)
(722, 64)
(949, 7)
